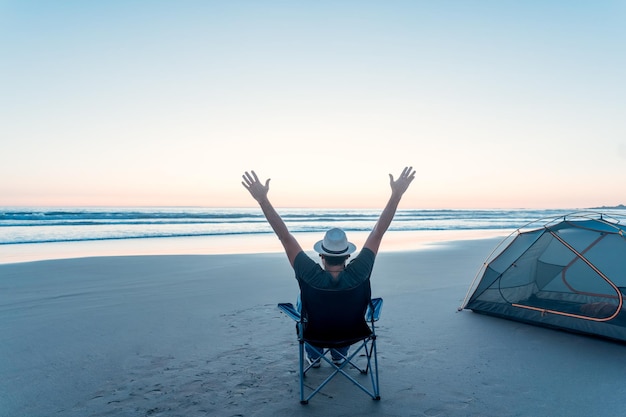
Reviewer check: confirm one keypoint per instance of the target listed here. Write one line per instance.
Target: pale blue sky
(495, 103)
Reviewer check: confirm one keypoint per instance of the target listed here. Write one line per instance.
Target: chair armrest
(289, 310)
(374, 309)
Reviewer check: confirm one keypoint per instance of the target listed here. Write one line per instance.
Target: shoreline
(393, 241)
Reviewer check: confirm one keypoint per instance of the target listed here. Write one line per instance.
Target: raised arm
(398, 188)
(259, 193)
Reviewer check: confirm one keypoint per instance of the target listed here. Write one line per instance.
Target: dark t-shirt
(357, 271)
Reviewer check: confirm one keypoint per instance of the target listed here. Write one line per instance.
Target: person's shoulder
(302, 256)
(302, 260)
(368, 250)
(366, 253)
(365, 256)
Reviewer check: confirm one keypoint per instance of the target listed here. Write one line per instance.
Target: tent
(569, 274)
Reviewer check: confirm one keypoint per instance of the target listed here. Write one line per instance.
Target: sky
(496, 104)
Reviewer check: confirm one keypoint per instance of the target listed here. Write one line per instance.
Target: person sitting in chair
(334, 250)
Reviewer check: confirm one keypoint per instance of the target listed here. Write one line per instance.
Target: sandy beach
(200, 335)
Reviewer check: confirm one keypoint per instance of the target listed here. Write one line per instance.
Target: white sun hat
(335, 243)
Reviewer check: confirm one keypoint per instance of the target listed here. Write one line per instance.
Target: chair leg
(374, 374)
(301, 349)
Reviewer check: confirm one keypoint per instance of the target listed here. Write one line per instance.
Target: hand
(399, 186)
(253, 185)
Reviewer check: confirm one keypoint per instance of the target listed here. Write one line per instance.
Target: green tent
(569, 274)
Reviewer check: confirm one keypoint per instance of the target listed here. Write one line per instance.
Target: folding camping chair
(334, 319)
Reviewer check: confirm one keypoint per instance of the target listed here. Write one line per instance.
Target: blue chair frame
(366, 343)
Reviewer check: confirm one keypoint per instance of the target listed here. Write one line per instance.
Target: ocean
(46, 225)
(27, 230)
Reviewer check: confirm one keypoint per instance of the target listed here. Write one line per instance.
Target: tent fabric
(569, 274)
